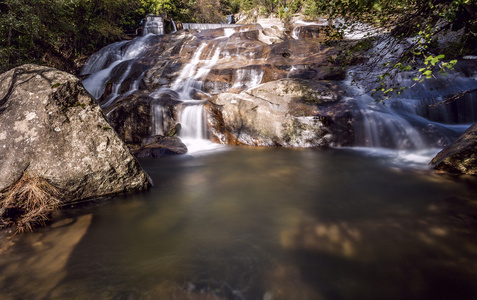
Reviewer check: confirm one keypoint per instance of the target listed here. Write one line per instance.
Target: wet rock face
(131, 118)
(52, 128)
(160, 146)
(286, 112)
(460, 157)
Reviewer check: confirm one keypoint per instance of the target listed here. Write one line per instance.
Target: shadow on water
(262, 224)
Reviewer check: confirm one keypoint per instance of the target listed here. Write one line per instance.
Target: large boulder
(50, 127)
(279, 113)
(460, 157)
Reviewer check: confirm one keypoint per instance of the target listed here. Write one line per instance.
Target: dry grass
(29, 202)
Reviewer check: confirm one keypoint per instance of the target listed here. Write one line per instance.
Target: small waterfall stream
(193, 118)
(415, 125)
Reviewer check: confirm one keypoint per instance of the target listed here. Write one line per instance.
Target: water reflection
(40, 266)
(264, 224)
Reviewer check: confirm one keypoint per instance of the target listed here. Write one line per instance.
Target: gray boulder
(52, 128)
(460, 157)
(284, 113)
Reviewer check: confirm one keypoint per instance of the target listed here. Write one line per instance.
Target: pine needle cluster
(29, 203)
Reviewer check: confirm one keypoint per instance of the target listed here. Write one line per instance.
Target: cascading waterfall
(95, 84)
(403, 137)
(193, 114)
(415, 121)
(103, 58)
(384, 128)
(117, 85)
(101, 65)
(415, 125)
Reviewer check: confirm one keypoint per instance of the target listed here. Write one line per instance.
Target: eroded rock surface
(52, 128)
(285, 112)
(160, 146)
(460, 157)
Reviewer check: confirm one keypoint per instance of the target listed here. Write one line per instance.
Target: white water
(300, 24)
(96, 82)
(247, 78)
(193, 114)
(101, 65)
(103, 58)
(154, 25)
(174, 27)
(400, 159)
(205, 26)
(117, 86)
(355, 30)
(415, 120)
(194, 129)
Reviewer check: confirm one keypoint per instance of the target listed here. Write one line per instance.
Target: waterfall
(193, 122)
(247, 78)
(103, 58)
(414, 121)
(101, 67)
(154, 25)
(117, 85)
(408, 122)
(157, 119)
(96, 82)
(382, 127)
(205, 26)
(174, 26)
(186, 85)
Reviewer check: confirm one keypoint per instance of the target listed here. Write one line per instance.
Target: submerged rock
(460, 157)
(160, 146)
(52, 128)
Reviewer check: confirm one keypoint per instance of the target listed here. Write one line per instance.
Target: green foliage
(57, 32)
(286, 10)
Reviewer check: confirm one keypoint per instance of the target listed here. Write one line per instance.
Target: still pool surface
(259, 224)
